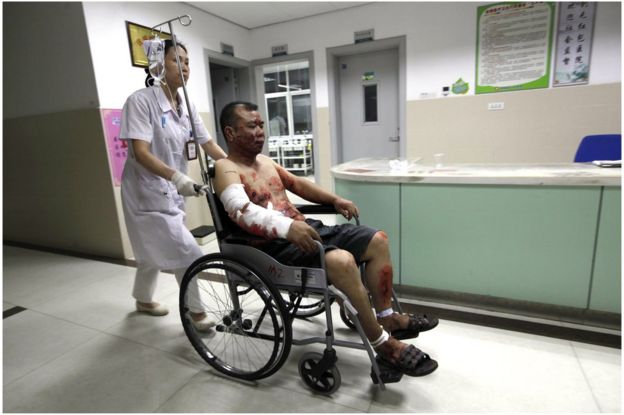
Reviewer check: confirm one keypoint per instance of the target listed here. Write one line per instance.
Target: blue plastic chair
(599, 147)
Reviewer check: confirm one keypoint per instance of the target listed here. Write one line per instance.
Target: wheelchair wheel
(326, 382)
(311, 304)
(253, 335)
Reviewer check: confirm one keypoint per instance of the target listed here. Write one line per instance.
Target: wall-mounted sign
(117, 149)
(364, 35)
(368, 76)
(280, 50)
(227, 49)
(514, 46)
(574, 41)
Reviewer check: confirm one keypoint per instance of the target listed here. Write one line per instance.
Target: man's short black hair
(228, 116)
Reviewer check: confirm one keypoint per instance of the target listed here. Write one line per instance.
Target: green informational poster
(514, 45)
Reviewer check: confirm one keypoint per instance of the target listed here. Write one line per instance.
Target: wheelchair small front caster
(324, 380)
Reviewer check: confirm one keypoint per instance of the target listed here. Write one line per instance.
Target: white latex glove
(186, 185)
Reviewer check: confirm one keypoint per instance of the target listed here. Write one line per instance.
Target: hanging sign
(227, 49)
(514, 46)
(364, 35)
(280, 50)
(574, 41)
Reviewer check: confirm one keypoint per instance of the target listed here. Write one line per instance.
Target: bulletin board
(514, 46)
(117, 149)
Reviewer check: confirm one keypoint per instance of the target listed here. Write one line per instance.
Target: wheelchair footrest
(388, 374)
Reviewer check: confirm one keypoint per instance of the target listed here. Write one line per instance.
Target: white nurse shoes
(204, 325)
(155, 309)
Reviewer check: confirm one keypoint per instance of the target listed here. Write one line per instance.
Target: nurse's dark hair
(228, 113)
(149, 81)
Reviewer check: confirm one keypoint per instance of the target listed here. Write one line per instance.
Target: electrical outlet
(493, 106)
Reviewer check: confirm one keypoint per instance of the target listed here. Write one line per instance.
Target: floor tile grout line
(102, 331)
(177, 390)
(47, 362)
(591, 389)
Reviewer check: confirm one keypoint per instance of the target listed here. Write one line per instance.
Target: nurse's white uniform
(153, 209)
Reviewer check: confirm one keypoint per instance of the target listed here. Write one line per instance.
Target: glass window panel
(278, 116)
(299, 79)
(370, 103)
(302, 114)
(273, 80)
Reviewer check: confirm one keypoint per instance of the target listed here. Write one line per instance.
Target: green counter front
(542, 243)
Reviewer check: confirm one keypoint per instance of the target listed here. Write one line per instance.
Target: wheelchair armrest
(318, 209)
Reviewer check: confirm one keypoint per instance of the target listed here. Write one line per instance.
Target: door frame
(258, 87)
(245, 87)
(333, 54)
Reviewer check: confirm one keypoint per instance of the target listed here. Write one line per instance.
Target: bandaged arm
(251, 217)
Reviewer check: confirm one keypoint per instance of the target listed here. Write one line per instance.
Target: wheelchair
(254, 300)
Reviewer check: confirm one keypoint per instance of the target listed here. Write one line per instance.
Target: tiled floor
(80, 347)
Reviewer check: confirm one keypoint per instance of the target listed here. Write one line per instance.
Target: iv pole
(204, 172)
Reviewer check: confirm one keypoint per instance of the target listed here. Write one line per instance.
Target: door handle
(394, 138)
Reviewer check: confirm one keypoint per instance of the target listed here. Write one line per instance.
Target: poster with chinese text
(117, 149)
(514, 46)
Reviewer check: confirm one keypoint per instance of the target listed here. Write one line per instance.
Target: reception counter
(545, 234)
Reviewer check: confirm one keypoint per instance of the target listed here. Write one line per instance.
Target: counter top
(410, 171)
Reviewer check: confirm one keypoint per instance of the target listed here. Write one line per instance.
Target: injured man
(253, 188)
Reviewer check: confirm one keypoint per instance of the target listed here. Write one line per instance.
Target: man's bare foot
(407, 326)
(391, 349)
(405, 358)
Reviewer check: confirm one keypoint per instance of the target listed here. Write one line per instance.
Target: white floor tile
(31, 278)
(6, 306)
(208, 393)
(103, 303)
(489, 370)
(91, 352)
(31, 339)
(602, 368)
(107, 374)
(163, 333)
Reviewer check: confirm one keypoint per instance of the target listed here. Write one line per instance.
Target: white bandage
(385, 313)
(251, 217)
(382, 339)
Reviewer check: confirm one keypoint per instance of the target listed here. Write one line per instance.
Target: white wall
(45, 69)
(441, 41)
(117, 78)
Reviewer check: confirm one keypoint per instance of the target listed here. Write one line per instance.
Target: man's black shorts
(350, 237)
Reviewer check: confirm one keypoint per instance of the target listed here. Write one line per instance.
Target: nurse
(156, 123)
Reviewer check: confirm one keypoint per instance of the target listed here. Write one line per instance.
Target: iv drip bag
(155, 53)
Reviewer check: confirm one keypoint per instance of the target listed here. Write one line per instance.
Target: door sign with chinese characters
(574, 39)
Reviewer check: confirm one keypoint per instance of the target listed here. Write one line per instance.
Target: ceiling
(254, 14)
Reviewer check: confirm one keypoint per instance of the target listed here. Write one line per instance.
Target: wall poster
(574, 41)
(117, 149)
(514, 46)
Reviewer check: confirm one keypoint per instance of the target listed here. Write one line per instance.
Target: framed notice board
(514, 46)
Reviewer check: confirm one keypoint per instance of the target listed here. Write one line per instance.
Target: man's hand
(346, 208)
(302, 236)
